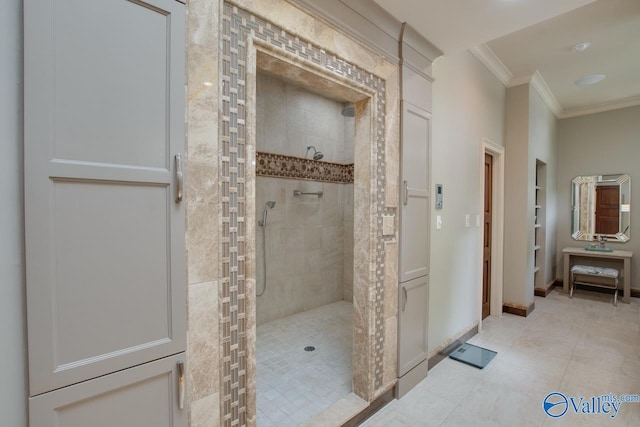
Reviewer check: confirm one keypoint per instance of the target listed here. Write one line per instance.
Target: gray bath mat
(473, 355)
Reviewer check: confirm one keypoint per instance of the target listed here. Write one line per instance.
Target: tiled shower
(307, 245)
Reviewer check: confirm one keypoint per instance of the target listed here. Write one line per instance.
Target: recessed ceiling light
(580, 47)
(589, 80)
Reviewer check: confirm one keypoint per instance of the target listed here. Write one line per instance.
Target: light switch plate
(467, 220)
(438, 222)
(388, 225)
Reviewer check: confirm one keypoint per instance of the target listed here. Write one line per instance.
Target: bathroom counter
(623, 256)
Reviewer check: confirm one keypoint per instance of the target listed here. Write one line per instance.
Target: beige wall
(468, 105)
(530, 134)
(543, 131)
(518, 261)
(602, 143)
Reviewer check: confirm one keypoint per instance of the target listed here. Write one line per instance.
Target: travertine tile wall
(304, 246)
(201, 174)
(219, 183)
(305, 236)
(289, 118)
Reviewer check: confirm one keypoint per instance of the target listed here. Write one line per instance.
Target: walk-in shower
(263, 224)
(305, 250)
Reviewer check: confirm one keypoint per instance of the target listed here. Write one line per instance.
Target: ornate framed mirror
(601, 207)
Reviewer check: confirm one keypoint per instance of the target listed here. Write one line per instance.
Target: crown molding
(502, 73)
(545, 93)
(633, 101)
(537, 82)
(520, 80)
(409, 37)
(493, 63)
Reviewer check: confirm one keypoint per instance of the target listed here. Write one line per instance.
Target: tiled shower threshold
(298, 387)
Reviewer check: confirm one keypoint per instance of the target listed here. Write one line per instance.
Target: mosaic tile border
(281, 166)
(237, 26)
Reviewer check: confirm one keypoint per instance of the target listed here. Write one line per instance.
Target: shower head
(349, 110)
(269, 205)
(317, 155)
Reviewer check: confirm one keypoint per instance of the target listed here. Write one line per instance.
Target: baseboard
(373, 407)
(445, 352)
(518, 310)
(543, 292)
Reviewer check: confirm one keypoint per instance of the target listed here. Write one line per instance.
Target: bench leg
(615, 298)
(571, 286)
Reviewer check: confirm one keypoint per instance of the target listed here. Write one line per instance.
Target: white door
(412, 323)
(414, 193)
(105, 250)
(143, 396)
(414, 238)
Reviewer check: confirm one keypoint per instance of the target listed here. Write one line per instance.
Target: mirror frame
(590, 183)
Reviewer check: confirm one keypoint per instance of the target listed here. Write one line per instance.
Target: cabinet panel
(105, 250)
(414, 193)
(143, 396)
(414, 303)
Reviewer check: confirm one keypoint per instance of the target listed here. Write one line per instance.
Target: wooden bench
(595, 276)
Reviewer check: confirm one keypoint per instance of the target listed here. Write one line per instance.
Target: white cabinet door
(143, 396)
(105, 250)
(414, 193)
(412, 323)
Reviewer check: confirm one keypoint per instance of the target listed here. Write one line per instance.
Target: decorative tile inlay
(281, 166)
(237, 26)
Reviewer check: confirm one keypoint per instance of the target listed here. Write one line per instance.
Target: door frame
(367, 380)
(497, 233)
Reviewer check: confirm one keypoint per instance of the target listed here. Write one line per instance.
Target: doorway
(487, 235)
(492, 188)
(301, 207)
(607, 209)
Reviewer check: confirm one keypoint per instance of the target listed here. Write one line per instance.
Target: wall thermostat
(439, 196)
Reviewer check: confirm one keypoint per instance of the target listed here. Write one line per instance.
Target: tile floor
(579, 347)
(293, 385)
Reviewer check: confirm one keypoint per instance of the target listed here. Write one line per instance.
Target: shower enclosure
(304, 251)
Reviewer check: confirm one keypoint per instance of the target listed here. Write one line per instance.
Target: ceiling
(524, 39)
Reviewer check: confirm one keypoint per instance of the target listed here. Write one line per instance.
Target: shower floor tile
(293, 385)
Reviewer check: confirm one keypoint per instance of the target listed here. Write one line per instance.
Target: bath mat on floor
(473, 355)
